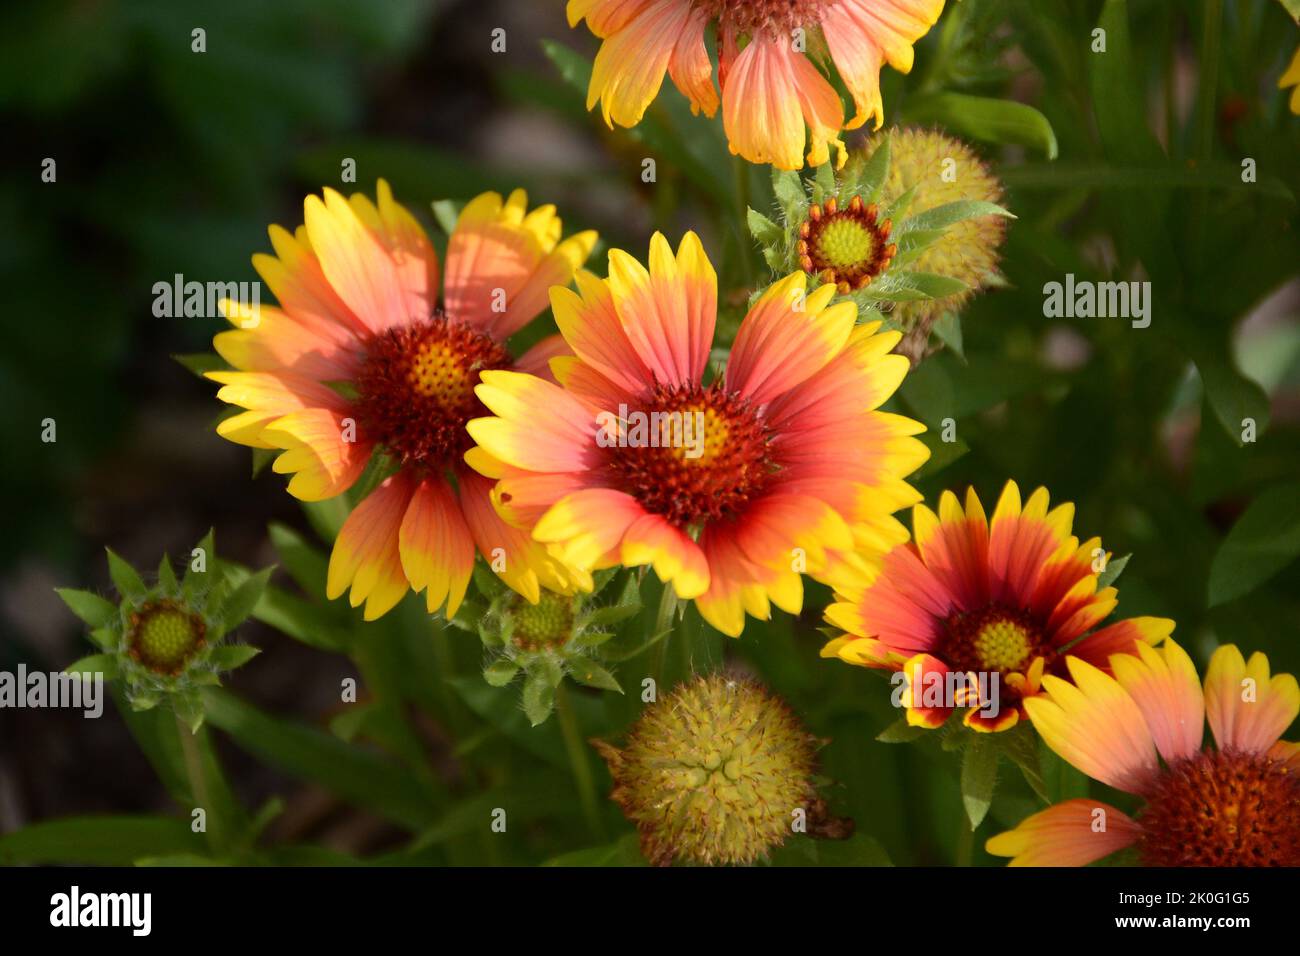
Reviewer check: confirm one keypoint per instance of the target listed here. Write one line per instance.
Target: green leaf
(625, 851)
(1265, 539)
(499, 673)
(876, 169)
(447, 214)
(539, 697)
(125, 578)
(763, 229)
(99, 841)
(167, 573)
(948, 331)
(1020, 744)
(857, 850)
(230, 656)
(1114, 568)
(105, 664)
(239, 605)
(824, 182)
(306, 564)
(912, 286)
(788, 189)
(198, 582)
(359, 776)
(91, 608)
(1233, 397)
(588, 672)
(979, 776)
(200, 363)
(305, 622)
(986, 119)
(950, 213)
(900, 732)
(613, 614)
(574, 68)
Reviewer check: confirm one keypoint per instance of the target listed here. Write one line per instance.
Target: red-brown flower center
(415, 390)
(1223, 809)
(848, 246)
(772, 17)
(694, 455)
(993, 638)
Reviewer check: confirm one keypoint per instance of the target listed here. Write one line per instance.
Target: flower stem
(198, 780)
(965, 842)
(663, 622)
(579, 762)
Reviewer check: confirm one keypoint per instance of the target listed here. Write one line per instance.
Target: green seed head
(714, 773)
(163, 636)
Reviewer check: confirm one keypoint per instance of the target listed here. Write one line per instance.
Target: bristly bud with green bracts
(874, 239)
(718, 772)
(168, 640)
(559, 637)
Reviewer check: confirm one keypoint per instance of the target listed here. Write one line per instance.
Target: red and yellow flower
(795, 469)
(362, 358)
(1234, 804)
(972, 597)
(769, 54)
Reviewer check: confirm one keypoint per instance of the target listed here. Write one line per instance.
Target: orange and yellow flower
(780, 465)
(361, 358)
(972, 597)
(769, 53)
(1234, 804)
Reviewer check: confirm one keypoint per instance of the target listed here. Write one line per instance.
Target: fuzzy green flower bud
(717, 772)
(168, 640)
(558, 637)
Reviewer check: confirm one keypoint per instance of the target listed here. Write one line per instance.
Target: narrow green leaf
(359, 776)
(950, 213)
(788, 189)
(876, 169)
(499, 673)
(306, 564)
(239, 605)
(1265, 539)
(230, 656)
(105, 664)
(125, 578)
(91, 608)
(625, 851)
(539, 698)
(900, 732)
(986, 119)
(823, 182)
(167, 573)
(200, 363)
(196, 581)
(447, 214)
(763, 229)
(591, 674)
(99, 841)
(1114, 568)
(979, 776)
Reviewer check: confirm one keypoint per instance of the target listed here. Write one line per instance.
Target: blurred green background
(1127, 166)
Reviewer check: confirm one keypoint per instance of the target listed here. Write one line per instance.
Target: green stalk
(663, 622)
(200, 793)
(965, 842)
(579, 762)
